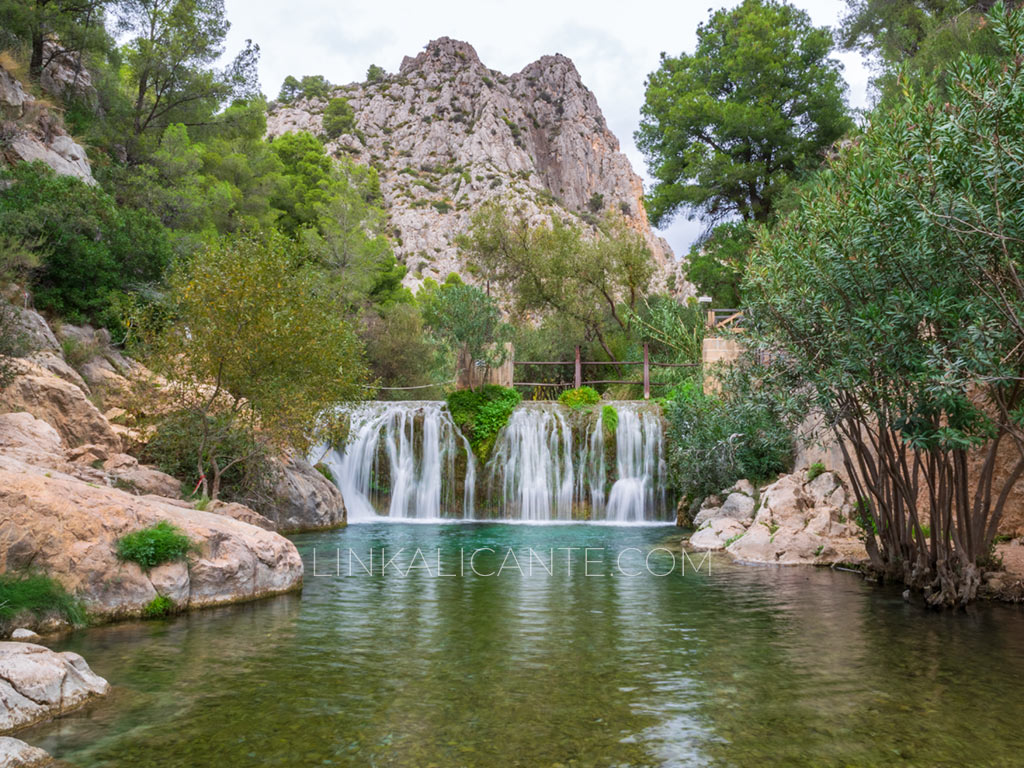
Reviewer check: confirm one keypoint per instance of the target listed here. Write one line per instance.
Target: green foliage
(609, 419)
(907, 336)
(591, 283)
(90, 249)
(815, 470)
(375, 74)
(713, 442)
(257, 325)
(309, 87)
(582, 397)
(339, 118)
(726, 128)
(596, 202)
(39, 595)
(401, 353)
(158, 544)
(168, 69)
(324, 470)
(158, 607)
(173, 449)
(466, 319)
(717, 261)
(482, 413)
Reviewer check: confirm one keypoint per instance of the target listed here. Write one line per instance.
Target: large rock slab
(61, 404)
(68, 529)
(306, 500)
(37, 684)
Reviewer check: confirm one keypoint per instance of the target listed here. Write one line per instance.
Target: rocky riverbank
(807, 518)
(72, 484)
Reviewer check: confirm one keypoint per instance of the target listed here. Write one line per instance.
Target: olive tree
(894, 293)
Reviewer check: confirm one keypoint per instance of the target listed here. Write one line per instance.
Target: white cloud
(614, 45)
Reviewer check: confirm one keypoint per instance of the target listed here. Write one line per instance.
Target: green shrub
(712, 442)
(38, 595)
(580, 397)
(173, 449)
(153, 546)
(159, 606)
(816, 469)
(482, 413)
(324, 470)
(92, 250)
(610, 419)
(339, 118)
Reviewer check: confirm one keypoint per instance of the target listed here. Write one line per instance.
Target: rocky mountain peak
(442, 55)
(446, 134)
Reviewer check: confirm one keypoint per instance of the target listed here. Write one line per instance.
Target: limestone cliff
(447, 134)
(30, 129)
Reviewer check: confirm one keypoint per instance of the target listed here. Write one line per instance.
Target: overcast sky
(614, 45)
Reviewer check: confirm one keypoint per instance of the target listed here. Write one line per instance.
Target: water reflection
(743, 667)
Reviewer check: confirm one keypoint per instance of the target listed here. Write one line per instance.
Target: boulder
(737, 506)
(717, 533)
(24, 437)
(37, 684)
(88, 454)
(148, 481)
(23, 635)
(240, 512)
(62, 404)
(15, 753)
(305, 499)
(34, 329)
(69, 528)
(57, 365)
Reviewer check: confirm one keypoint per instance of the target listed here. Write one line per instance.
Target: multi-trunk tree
(894, 293)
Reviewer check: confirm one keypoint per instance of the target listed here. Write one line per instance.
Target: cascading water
(407, 460)
(532, 468)
(401, 460)
(639, 492)
(535, 474)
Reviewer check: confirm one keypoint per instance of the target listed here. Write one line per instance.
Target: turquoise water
(743, 667)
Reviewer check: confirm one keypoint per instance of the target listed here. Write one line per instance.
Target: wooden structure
(579, 365)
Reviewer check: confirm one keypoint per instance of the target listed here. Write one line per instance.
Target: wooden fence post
(647, 374)
(579, 370)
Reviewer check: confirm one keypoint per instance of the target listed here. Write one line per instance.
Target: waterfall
(400, 460)
(639, 490)
(408, 460)
(533, 465)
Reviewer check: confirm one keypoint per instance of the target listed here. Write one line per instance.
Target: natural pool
(743, 667)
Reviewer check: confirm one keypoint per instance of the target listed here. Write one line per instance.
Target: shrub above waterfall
(579, 397)
(481, 413)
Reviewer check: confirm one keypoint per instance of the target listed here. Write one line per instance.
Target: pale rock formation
(68, 529)
(306, 500)
(30, 132)
(796, 522)
(37, 684)
(447, 134)
(23, 635)
(15, 753)
(60, 403)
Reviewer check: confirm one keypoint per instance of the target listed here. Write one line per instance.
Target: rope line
(398, 389)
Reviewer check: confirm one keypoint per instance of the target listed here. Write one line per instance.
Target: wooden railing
(722, 319)
(579, 364)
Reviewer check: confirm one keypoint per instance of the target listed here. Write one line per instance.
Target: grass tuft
(153, 546)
